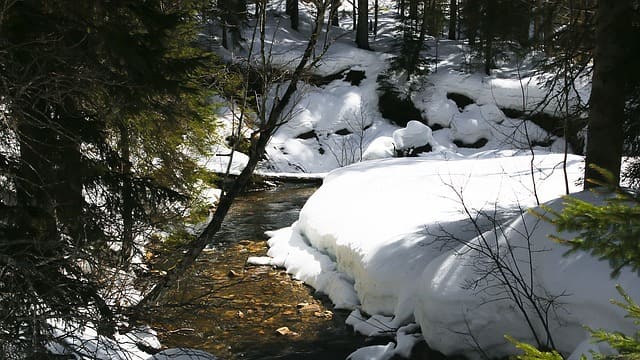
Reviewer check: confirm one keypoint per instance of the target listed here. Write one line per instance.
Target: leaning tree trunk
(606, 111)
(259, 140)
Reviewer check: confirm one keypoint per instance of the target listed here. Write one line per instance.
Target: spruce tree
(100, 101)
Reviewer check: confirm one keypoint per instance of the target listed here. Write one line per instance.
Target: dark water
(260, 211)
(233, 310)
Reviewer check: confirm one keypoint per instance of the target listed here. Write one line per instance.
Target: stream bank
(239, 311)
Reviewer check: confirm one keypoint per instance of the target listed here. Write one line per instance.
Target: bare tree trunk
(354, 13)
(35, 141)
(335, 19)
(376, 10)
(362, 32)
(292, 11)
(548, 11)
(223, 23)
(68, 188)
(453, 18)
(413, 10)
(607, 101)
(233, 14)
(488, 36)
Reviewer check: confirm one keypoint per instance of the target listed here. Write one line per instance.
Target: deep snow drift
(413, 238)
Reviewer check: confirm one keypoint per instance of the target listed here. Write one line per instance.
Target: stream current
(238, 311)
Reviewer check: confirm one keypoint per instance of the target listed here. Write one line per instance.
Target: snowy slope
(577, 288)
(399, 237)
(333, 123)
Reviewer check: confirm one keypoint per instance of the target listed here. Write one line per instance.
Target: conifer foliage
(98, 100)
(609, 231)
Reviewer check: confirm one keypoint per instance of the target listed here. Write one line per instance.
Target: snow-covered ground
(438, 240)
(412, 239)
(333, 124)
(412, 244)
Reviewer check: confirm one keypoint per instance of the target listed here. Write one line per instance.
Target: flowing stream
(238, 311)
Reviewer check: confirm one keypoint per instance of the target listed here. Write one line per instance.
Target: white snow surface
(579, 284)
(394, 238)
(83, 342)
(335, 124)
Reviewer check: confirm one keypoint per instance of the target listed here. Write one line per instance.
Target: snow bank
(506, 90)
(379, 222)
(83, 342)
(395, 238)
(463, 305)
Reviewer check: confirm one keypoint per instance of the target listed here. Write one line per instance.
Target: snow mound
(440, 111)
(377, 222)
(380, 148)
(414, 135)
(83, 342)
(406, 338)
(411, 239)
(467, 295)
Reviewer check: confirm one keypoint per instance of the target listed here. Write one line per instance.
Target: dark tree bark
(536, 11)
(222, 8)
(453, 19)
(334, 16)
(69, 173)
(50, 176)
(376, 10)
(362, 31)
(472, 14)
(607, 101)
(487, 34)
(413, 10)
(292, 11)
(423, 27)
(68, 188)
(233, 13)
(354, 13)
(548, 10)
